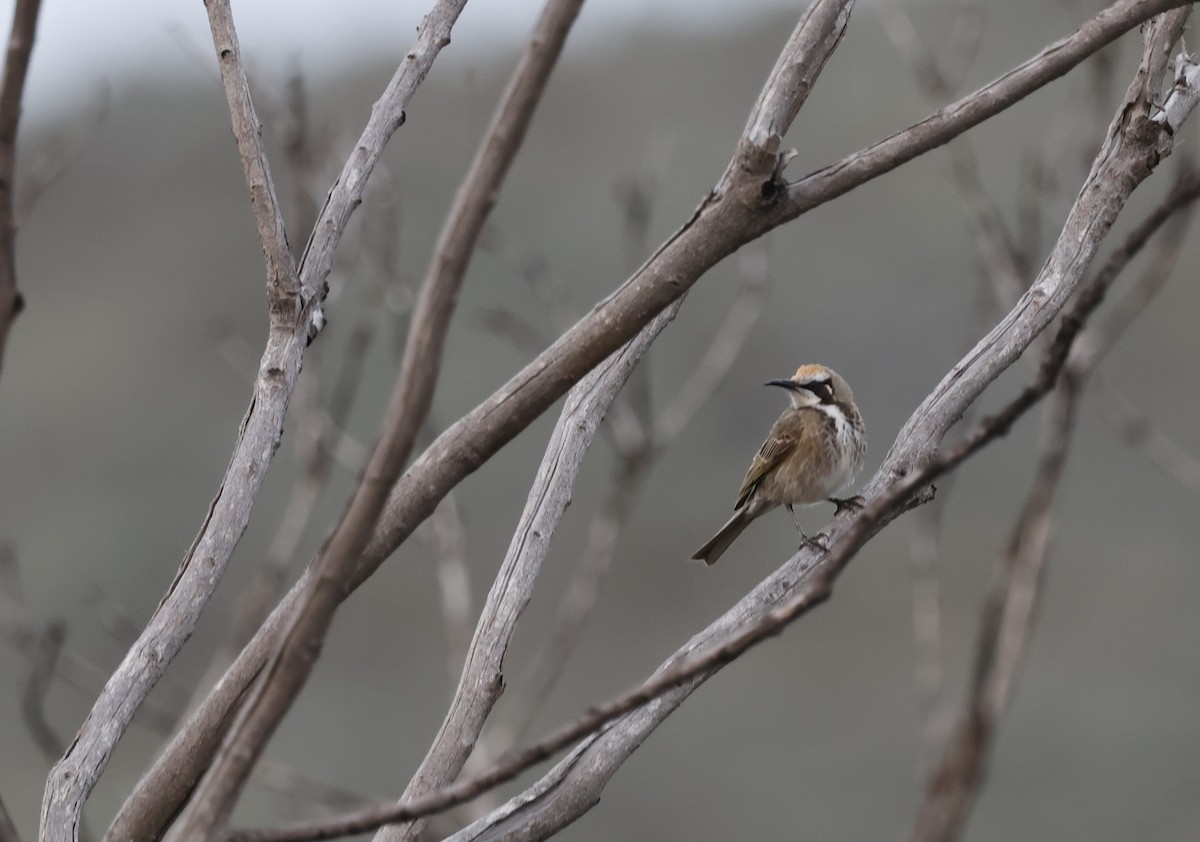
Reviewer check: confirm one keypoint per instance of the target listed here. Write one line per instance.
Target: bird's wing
(774, 450)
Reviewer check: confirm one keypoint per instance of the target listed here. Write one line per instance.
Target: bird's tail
(719, 543)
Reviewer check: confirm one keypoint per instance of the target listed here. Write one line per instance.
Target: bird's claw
(854, 503)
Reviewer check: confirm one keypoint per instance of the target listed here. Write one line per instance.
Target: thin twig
(12, 91)
(926, 580)
(1008, 617)
(19, 630)
(304, 791)
(56, 155)
(8, 830)
(1137, 431)
(721, 353)
(33, 699)
(447, 541)
(301, 154)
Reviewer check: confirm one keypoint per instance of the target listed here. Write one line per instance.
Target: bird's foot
(854, 503)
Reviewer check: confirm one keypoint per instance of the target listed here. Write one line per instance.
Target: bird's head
(813, 385)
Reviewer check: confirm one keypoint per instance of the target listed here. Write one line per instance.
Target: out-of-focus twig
(305, 793)
(21, 633)
(447, 541)
(55, 157)
(12, 90)
(721, 353)
(8, 830)
(940, 74)
(1136, 430)
(926, 581)
(302, 152)
(33, 701)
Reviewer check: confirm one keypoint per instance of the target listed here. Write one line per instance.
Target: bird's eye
(822, 390)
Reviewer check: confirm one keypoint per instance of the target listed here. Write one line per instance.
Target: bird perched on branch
(813, 452)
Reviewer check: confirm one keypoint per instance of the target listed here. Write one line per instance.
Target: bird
(814, 451)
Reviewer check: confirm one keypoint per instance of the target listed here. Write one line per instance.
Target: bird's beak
(790, 385)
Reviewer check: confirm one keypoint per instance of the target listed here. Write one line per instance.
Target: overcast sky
(81, 42)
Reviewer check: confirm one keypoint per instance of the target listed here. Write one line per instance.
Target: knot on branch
(775, 185)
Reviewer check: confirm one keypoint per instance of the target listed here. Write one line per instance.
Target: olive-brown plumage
(814, 451)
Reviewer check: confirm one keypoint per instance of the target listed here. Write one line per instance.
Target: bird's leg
(854, 503)
(805, 539)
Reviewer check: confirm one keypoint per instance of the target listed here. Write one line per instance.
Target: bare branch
(8, 830)
(925, 574)
(144, 817)
(12, 90)
(301, 154)
(1052, 62)
(408, 408)
(733, 215)
(72, 779)
(283, 284)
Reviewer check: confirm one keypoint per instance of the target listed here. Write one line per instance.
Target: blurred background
(127, 376)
